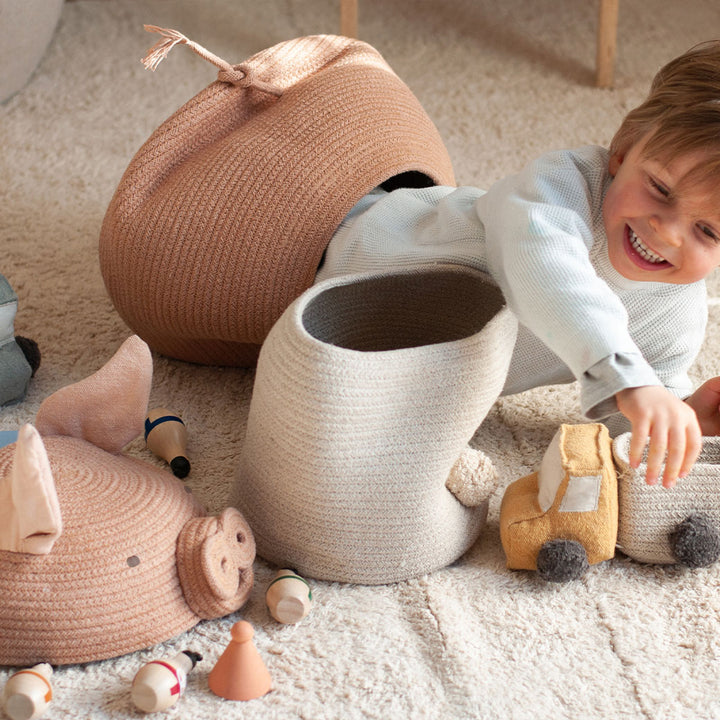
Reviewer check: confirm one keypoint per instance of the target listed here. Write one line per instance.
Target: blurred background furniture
(606, 36)
(26, 28)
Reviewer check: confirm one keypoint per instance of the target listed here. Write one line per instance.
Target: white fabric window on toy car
(550, 473)
(583, 492)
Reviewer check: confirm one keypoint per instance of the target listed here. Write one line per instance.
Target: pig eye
(133, 561)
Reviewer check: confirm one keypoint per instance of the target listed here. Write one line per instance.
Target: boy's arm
(657, 413)
(705, 401)
(669, 424)
(539, 230)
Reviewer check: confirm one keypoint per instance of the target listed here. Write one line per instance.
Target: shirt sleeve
(607, 377)
(609, 373)
(539, 229)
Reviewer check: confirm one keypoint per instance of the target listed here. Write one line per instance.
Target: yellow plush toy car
(564, 517)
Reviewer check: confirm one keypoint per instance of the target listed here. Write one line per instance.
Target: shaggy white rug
(504, 82)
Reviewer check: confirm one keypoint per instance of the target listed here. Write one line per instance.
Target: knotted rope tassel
(241, 75)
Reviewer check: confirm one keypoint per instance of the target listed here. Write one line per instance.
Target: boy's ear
(616, 160)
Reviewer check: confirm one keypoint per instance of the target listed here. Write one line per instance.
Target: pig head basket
(101, 553)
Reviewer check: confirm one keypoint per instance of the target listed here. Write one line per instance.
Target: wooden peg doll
(166, 436)
(28, 692)
(288, 597)
(159, 683)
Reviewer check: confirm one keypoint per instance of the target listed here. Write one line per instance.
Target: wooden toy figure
(240, 673)
(159, 683)
(288, 597)
(28, 693)
(166, 436)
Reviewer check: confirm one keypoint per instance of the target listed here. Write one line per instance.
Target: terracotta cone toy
(240, 673)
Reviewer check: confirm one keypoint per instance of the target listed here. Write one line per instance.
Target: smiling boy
(601, 254)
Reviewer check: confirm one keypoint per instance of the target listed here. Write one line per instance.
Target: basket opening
(409, 179)
(403, 310)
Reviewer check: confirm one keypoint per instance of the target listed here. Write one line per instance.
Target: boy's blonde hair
(681, 114)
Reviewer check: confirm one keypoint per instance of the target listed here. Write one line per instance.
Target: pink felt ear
(108, 408)
(30, 519)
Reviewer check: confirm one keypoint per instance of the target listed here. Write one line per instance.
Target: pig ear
(30, 520)
(215, 563)
(109, 407)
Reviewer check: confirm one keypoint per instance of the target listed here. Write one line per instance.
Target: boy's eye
(659, 187)
(706, 230)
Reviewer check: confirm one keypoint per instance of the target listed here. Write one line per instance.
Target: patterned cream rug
(503, 82)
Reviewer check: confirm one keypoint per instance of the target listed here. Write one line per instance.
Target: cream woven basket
(649, 515)
(368, 389)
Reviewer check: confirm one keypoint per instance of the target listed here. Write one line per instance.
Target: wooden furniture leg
(606, 36)
(606, 42)
(349, 18)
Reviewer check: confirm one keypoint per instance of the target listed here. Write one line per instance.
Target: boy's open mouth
(641, 254)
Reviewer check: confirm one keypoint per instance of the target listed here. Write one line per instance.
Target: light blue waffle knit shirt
(540, 235)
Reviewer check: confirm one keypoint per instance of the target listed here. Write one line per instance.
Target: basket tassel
(241, 75)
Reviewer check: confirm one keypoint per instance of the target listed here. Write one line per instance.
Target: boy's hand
(669, 423)
(705, 401)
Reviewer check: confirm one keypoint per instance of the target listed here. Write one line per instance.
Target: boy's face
(654, 236)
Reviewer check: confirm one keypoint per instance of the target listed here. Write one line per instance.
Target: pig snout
(215, 563)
